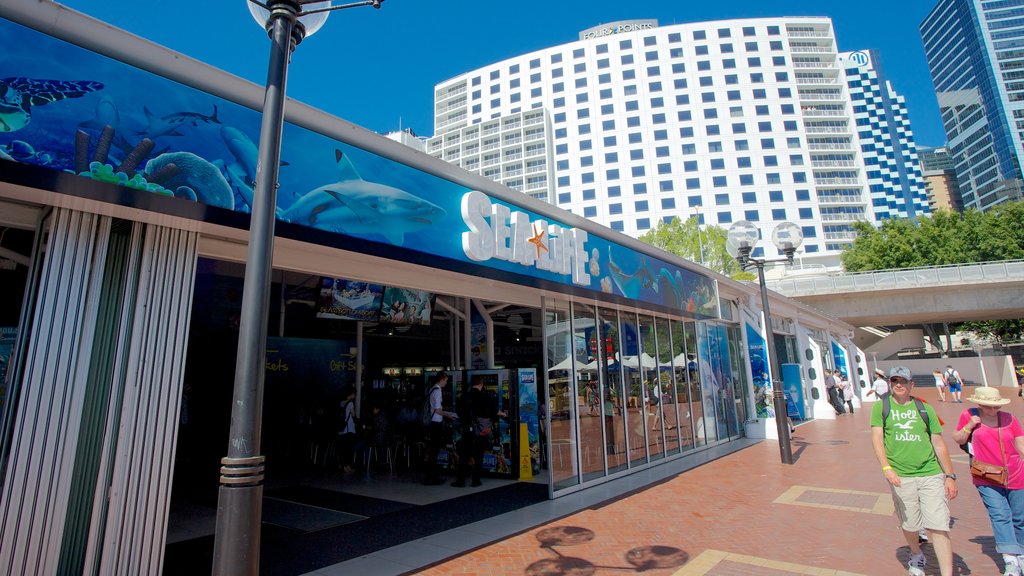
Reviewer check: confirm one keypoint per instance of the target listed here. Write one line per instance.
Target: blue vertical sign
(839, 355)
(757, 352)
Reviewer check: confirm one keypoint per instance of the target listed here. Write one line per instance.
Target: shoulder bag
(991, 472)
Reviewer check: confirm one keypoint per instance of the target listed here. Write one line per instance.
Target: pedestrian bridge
(936, 294)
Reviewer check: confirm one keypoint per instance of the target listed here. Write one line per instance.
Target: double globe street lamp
(740, 242)
(240, 497)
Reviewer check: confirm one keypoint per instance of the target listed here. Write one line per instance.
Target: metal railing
(962, 274)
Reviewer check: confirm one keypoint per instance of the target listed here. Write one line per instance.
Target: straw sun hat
(988, 396)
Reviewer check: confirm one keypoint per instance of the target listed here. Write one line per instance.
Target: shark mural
(130, 128)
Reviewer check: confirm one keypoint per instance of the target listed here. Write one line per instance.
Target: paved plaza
(747, 514)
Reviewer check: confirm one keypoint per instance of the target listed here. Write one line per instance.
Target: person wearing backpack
(954, 383)
(997, 443)
(907, 438)
(435, 430)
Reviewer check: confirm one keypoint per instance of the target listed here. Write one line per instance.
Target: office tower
(940, 178)
(635, 123)
(893, 172)
(974, 53)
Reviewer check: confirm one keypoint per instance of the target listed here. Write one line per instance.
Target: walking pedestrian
(907, 439)
(940, 384)
(880, 386)
(481, 410)
(847, 391)
(832, 389)
(435, 430)
(954, 383)
(997, 439)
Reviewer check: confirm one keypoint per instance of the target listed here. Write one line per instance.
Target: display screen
(404, 306)
(342, 299)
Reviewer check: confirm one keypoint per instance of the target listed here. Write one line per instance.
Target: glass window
(666, 186)
(721, 199)
(775, 196)
(640, 188)
(746, 179)
(589, 212)
(719, 181)
(693, 183)
(614, 191)
(751, 215)
(640, 206)
(778, 214)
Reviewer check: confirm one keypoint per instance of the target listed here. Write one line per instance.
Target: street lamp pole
(240, 496)
(741, 240)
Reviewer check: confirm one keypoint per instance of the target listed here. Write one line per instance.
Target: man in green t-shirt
(909, 447)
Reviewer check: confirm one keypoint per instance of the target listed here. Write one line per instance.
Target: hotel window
(679, 83)
(653, 71)
(476, 109)
(515, 97)
(710, 113)
(668, 203)
(657, 102)
(556, 58)
(775, 45)
(611, 157)
(589, 212)
(725, 217)
(535, 63)
(632, 105)
(752, 216)
(643, 223)
(629, 74)
(640, 188)
(746, 180)
(605, 93)
(561, 149)
(724, 33)
(785, 93)
(689, 148)
(635, 138)
(637, 154)
(803, 195)
(602, 63)
(703, 65)
(778, 60)
(726, 48)
(686, 132)
(658, 119)
(609, 140)
(675, 53)
(719, 182)
(632, 121)
(626, 59)
(729, 63)
(788, 109)
(682, 99)
(650, 41)
(586, 161)
(562, 165)
(793, 142)
(664, 168)
(778, 214)
(796, 160)
(759, 94)
(564, 198)
(707, 97)
(750, 46)
(615, 208)
(700, 35)
(789, 126)
(773, 30)
(700, 50)
(693, 183)
(625, 44)
(661, 151)
(617, 226)
(771, 160)
(799, 178)
(714, 146)
(579, 67)
(748, 30)
(805, 213)
(586, 144)
(706, 81)
(743, 162)
(612, 174)
(614, 191)
(775, 196)
(782, 77)
(588, 194)
(476, 81)
(690, 166)
(692, 201)
(739, 128)
(742, 145)
(496, 103)
(651, 55)
(717, 164)
(712, 130)
(535, 78)
(602, 48)
(578, 53)
(666, 186)
(809, 231)
(773, 178)
(732, 79)
(495, 88)
(654, 87)
(629, 89)
(721, 199)
(638, 171)
(757, 78)
(557, 73)
(640, 206)
(559, 117)
(494, 74)
(535, 93)
(587, 178)
(764, 126)
(733, 95)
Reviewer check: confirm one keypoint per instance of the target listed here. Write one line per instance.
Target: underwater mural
(69, 109)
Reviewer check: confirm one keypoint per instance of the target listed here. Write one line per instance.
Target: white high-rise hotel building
(635, 123)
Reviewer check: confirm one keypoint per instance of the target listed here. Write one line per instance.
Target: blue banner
(759, 371)
(76, 111)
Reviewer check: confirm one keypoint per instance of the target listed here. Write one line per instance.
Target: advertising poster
(7, 336)
(404, 306)
(477, 341)
(757, 351)
(341, 299)
(146, 141)
(839, 356)
(528, 413)
(794, 390)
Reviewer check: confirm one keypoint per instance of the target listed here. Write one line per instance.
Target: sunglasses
(899, 380)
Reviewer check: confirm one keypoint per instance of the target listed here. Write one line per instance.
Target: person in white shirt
(880, 387)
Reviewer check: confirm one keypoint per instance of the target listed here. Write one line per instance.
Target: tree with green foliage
(945, 238)
(942, 238)
(686, 239)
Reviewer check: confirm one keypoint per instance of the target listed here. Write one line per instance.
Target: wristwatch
(951, 476)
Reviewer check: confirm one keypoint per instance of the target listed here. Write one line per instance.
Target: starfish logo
(538, 239)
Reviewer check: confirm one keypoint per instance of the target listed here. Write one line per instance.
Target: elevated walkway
(936, 294)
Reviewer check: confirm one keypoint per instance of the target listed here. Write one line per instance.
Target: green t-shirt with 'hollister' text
(907, 445)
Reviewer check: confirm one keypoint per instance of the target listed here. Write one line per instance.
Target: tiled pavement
(748, 514)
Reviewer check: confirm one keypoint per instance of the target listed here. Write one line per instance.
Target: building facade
(723, 121)
(940, 179)
(973, 51)
(895, 183)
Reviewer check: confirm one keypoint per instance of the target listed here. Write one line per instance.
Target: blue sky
(378, 68)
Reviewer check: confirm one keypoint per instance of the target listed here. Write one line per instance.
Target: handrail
(901, 278)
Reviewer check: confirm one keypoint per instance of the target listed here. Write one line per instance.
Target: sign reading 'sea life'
(496, 231)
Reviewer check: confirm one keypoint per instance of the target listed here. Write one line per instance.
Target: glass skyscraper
(975, 51)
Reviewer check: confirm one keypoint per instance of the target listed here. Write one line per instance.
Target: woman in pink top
(996, 438)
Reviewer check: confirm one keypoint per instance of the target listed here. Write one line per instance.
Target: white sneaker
(1012, 569)
(916, 565)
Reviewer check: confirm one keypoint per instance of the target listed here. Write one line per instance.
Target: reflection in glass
(737, 389)
(611, 377)
(584, 329)
(682, 335)
(635, 422)
(669, 405)
(693, 375)
(562, 459)
(706, 428)
(647, 365)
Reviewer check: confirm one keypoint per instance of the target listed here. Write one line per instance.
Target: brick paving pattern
(829, 513)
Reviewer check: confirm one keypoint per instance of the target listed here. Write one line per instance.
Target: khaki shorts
(921, 503)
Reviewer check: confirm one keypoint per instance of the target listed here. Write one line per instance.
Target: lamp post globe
(787, 237)
(310, 22)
